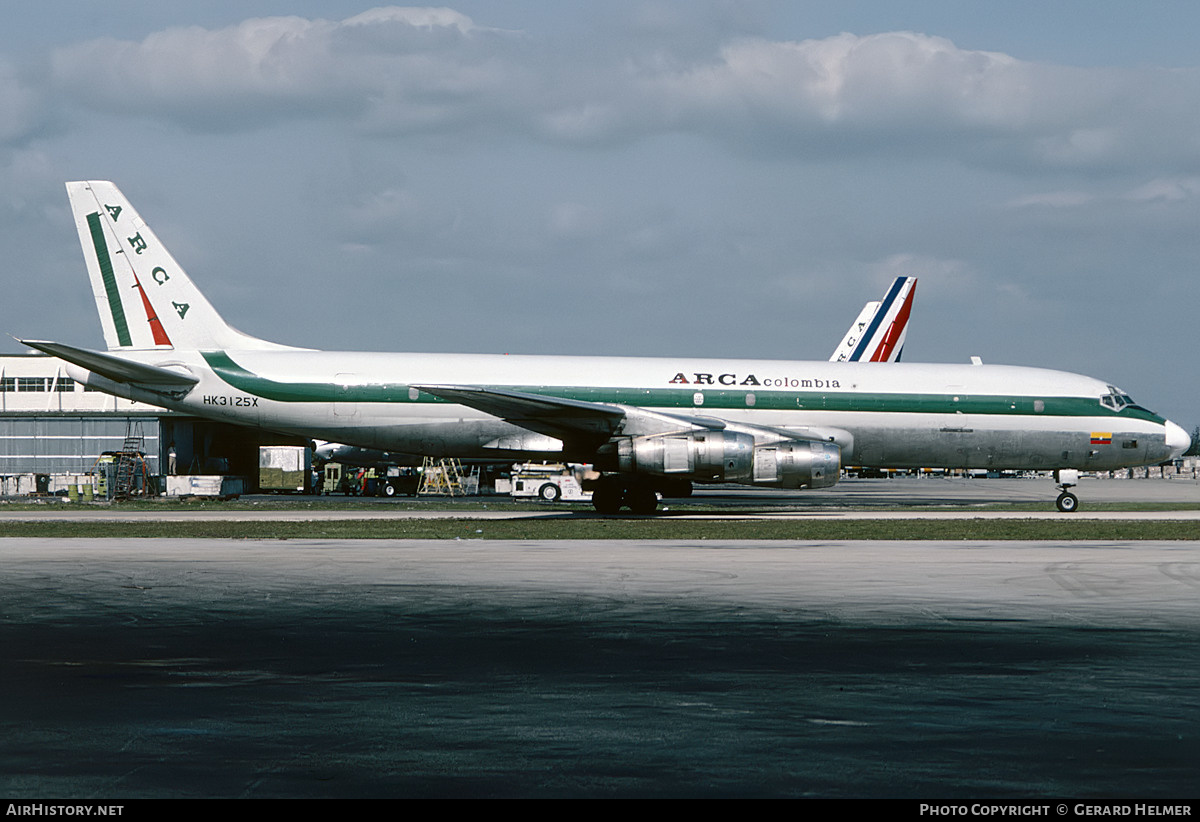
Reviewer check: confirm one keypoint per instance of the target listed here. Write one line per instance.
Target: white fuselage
(896, 415)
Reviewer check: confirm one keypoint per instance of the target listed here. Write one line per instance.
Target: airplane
(645, 424)
(878, 333)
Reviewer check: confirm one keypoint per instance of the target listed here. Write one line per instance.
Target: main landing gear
(1066, 478)
(611, 493)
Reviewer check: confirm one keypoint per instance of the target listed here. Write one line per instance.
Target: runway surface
(177, 668)
(932, 498)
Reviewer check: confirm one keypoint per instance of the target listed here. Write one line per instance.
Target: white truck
(549, 482)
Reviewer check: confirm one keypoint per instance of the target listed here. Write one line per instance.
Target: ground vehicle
(549, 482)
(381, 481)
(398, 480)
(284, 468)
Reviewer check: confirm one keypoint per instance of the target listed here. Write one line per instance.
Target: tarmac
(476, 668)
(900, 498)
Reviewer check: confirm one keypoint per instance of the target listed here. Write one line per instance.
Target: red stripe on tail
(156, 327)
(895, 330)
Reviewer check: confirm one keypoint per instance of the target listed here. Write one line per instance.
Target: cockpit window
(1116, 399)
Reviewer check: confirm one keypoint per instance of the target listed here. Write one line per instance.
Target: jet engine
(798, 464)
(732, 456)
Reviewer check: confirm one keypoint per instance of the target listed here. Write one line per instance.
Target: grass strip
(593, 528)
(467, 506)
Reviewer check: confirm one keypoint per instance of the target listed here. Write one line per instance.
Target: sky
(684, 179)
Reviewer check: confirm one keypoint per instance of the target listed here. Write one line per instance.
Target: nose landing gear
(1067, 478)
(1067, 502)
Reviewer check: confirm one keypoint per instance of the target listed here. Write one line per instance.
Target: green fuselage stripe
(894, 403)
(110, 280)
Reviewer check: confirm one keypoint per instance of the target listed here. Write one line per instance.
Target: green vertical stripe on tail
(110, 280)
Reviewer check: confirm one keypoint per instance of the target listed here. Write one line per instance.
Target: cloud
(923, 266)
(897, 79)
(924, 95)
(421, 65)
(1163, 190)
(1170, 190)
(574, 221)
(399, 71)
(1054, 199)
(21, 109)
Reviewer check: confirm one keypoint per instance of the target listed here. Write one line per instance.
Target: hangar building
(51, 426)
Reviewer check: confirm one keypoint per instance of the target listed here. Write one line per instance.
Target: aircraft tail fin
(877, 335)
(145, 299)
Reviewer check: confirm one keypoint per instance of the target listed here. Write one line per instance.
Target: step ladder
(441, 476)
(131, 463)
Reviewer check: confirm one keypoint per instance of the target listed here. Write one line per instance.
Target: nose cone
(1178, 440)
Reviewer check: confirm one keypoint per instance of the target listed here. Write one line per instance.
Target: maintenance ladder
(130, 461)
(441, 476)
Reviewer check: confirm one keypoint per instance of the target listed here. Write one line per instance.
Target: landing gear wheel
(607, 498)
(1067, 502)
(677, 488)
(642, 500)
(549, 492)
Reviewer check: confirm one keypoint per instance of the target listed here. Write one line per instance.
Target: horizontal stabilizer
(114, 368)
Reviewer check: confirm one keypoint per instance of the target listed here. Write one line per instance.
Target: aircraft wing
(592, 423)
(564, 419)
(117, 369)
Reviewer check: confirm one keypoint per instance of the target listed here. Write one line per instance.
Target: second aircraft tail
(878, 333)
